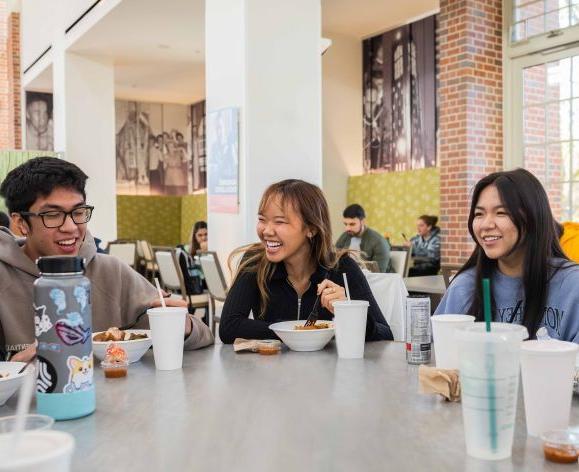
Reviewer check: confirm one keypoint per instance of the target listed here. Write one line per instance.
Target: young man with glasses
(47, 203)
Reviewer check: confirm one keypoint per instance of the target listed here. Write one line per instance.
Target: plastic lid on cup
(548, 347)
(499, 332)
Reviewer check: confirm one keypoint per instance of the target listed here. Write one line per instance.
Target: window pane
(534, 161)
(534, 125)
(574, 125)
(529, 10)
(561, 202)
(574, 214)
(574, 172)
(553, 128)
(535, 91)
(557, 19)
(558, 158)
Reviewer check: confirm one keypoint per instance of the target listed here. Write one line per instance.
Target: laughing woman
(532, 282)
(280, 277)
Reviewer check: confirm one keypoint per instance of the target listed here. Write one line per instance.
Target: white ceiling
(158, 47)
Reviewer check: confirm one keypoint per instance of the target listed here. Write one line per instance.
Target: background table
(426, 284)
(292, 412)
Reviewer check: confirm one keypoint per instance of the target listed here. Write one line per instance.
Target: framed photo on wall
(223, 160)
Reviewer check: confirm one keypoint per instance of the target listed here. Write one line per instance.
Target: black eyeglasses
(56, 218)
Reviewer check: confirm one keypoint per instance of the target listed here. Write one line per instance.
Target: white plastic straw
(23, 404)
(160, 293)
(346, 285)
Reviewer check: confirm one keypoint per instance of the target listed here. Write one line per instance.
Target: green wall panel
(153, 218)
(394, 200)
(193, 208)
(161, 220)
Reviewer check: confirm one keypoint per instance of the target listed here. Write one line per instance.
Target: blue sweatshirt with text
(561, 311)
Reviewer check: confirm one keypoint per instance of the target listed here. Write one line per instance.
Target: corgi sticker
(80, 373)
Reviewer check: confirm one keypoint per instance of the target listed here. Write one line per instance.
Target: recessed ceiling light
(163, 46)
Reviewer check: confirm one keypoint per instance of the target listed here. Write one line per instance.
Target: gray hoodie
(119, 294)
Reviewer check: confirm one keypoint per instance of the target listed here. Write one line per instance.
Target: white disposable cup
(350, 326)
(547, 369)
(168, 333)
(47, 451)
(489, 380)
(445, 345)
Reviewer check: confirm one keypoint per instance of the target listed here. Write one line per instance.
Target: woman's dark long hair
(195, 246)
(526, 201)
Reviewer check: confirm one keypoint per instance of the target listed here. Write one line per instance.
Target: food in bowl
(318, 325)
(10, 379)
(134, 348)
(4, 375)
(302, 339)
(116, 334)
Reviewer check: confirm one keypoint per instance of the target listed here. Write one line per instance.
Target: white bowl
(134, 349)
(303, 340)
(10, 384)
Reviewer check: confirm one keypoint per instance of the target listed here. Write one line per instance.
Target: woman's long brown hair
(309, 202)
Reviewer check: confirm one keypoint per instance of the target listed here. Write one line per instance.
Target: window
(534, 17)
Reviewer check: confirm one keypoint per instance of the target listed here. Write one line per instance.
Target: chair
(216, 284)
(400, 260)
(126, 251)
(147, 263)
(449, 271)
(172, 277)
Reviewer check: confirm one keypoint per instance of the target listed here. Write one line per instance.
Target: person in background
(4, 220)
(47, 202)
(359, 237)
(295, 262)
(569, 239)
(425, 247)
(198, 238)
(533, 283)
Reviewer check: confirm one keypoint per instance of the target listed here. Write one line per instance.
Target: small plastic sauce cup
(115, 370)
(561, 446)
(269, 347)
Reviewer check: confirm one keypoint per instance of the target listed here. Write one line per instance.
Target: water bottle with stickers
(62, 305)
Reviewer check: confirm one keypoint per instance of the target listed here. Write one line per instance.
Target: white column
(84, 130)
(263, 56)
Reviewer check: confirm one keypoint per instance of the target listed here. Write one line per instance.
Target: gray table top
(295, 411)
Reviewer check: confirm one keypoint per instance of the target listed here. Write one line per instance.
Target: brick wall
(470, 138)
(10, 127)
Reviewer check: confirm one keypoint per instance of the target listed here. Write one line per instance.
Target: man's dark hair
(354, 211)
(39, 177)
(4, 220)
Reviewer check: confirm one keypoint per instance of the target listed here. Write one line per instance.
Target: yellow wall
(163, 221)
(394, 200)
(193, 208)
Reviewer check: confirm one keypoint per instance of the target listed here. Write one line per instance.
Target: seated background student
(532, 282)
(425, 247)
(47, 201)
(359, 237)
(280, 277)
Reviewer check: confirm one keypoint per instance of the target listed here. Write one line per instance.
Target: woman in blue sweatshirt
(532, 282)
(281, 276)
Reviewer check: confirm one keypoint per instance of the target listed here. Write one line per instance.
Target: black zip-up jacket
(243, 297)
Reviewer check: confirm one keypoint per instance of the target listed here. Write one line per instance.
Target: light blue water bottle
(62, 304)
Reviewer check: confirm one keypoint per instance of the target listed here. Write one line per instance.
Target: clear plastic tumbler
(489, 377)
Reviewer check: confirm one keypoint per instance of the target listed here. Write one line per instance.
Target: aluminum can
(418, 331)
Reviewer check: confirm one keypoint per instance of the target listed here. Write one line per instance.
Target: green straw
(490, 367)
(487, 303)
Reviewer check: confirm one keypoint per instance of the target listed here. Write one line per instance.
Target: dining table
(296, 411)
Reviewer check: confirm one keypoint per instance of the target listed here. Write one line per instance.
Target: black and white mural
(400, 98)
